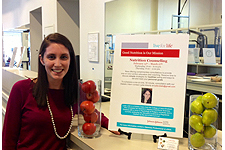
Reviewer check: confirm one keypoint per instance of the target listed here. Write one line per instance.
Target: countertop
(110, 141)
(204, 86)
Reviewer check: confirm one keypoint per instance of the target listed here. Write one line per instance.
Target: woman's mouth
(57, 70)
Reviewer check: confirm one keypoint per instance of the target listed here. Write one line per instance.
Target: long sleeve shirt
(27, 126)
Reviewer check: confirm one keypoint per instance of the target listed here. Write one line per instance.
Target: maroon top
(29, 127)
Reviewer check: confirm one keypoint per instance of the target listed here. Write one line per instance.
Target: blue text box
(147, 111)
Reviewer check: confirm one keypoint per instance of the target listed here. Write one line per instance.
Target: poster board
(158, 64)
(93, 47)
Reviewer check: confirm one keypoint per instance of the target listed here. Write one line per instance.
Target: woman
(39, 112)
(146, 96)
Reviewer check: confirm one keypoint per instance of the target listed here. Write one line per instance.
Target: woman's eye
(64, 57)
(51, 57)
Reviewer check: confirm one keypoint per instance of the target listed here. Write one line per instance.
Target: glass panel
(204, 17)
(10, 40)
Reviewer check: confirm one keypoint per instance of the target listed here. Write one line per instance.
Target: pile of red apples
(88, 107)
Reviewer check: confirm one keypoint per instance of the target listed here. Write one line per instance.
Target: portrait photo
(146, 95)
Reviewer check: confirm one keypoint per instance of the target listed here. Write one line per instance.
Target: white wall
(92, 20)
(17, 13)
(68, 21)
(35, 37)
(131, 16)
(128, 16)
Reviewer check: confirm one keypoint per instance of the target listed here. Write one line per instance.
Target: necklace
(53, 122)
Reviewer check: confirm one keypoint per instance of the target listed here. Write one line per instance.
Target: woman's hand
(115, 132)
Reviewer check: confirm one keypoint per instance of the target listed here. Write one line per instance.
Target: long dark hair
(70, 80)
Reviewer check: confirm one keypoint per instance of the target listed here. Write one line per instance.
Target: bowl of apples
(203, 122)
(89, 108)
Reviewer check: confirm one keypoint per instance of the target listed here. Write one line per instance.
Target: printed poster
(149, 84)
(193, 55)
(93, 47)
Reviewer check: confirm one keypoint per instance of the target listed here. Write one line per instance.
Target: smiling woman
(39, 113)
(56, 61)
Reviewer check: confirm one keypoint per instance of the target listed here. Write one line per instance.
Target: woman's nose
(57, 62)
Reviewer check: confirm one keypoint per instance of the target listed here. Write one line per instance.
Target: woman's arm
(12, 120)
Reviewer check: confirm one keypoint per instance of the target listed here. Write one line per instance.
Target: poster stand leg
(128, 134)
(157, 137)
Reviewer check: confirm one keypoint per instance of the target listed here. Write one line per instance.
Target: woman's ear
(41, 60)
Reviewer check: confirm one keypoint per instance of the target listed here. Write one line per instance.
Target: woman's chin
(57, 76)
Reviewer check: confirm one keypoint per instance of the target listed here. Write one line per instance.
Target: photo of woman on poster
(146, 96)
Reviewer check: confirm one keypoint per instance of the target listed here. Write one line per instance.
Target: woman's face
(147, 95)
(56, 61)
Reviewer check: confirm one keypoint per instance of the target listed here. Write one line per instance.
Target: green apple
(197, 140)
(197, 107)
(209, 131)
(209, 116)
(199, 98)
(209, 100)
(195, 122)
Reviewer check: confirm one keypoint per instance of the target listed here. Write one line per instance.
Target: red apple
(87, 107)
(88, 86)
(94, 97)
(89, 128)
(91, 118)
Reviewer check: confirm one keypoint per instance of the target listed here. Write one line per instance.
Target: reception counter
(9, 77)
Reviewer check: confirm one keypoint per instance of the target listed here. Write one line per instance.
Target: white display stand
(209, 56)
(161, 68)
(193, 55)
